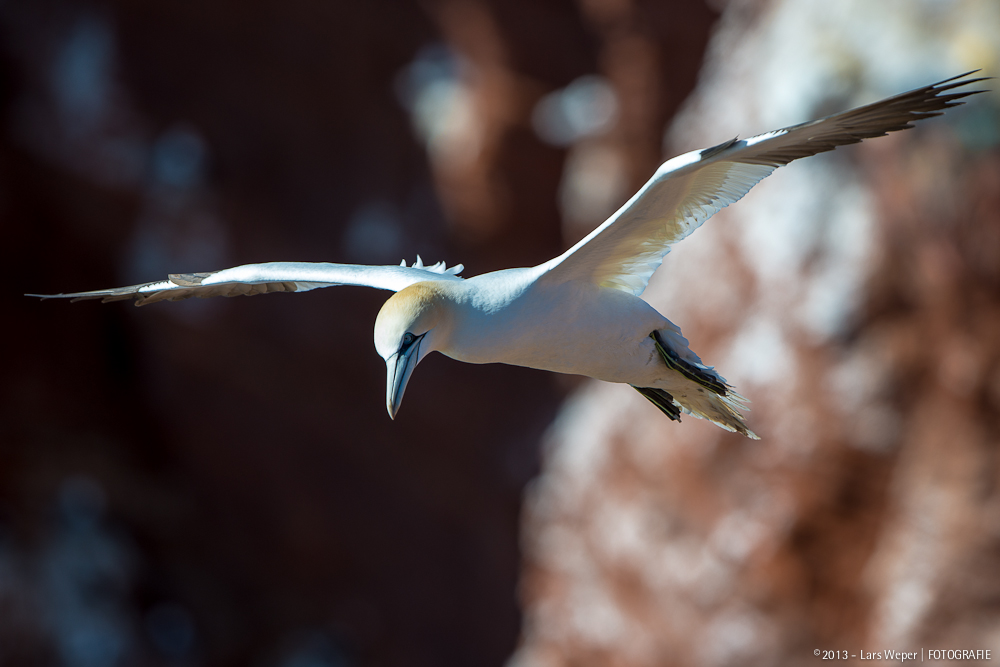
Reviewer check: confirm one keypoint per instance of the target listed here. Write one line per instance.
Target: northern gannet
(581, 312)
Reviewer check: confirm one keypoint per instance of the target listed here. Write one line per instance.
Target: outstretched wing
(684, 192)
(251, 279)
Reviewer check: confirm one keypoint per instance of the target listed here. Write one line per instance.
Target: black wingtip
(957, 82)
(962, 76)
(954, 81)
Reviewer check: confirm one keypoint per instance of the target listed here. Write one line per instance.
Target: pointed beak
(398, 369)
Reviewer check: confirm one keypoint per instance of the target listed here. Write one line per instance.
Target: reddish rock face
(223, 473)
(854, 299)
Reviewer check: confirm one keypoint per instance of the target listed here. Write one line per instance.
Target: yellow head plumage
(415, 310)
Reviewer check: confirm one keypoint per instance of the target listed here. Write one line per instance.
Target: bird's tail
(694, 388)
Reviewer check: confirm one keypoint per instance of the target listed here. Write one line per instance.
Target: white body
(511, 317)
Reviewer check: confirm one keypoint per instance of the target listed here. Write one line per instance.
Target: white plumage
(578, 313)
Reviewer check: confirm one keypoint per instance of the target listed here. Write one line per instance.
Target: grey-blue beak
(398, 369)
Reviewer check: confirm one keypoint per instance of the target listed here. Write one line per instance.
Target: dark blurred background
(217, 483)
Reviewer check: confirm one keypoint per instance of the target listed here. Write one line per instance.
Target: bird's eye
(407, 339)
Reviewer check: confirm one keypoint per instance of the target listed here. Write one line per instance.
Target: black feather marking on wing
(699, 375)
(661, 399)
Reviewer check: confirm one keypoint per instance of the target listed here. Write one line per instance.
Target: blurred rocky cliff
(855, 299)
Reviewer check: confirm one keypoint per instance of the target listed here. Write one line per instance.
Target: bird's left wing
(251, 279)
(684, 192)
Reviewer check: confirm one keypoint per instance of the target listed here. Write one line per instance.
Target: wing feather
(251, 279)
(684, 192)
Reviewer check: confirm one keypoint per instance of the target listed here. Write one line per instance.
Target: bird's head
(407, 328)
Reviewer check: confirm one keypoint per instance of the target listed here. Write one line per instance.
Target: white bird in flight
(581, 312)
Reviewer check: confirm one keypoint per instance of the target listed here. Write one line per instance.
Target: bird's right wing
(251, 279)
